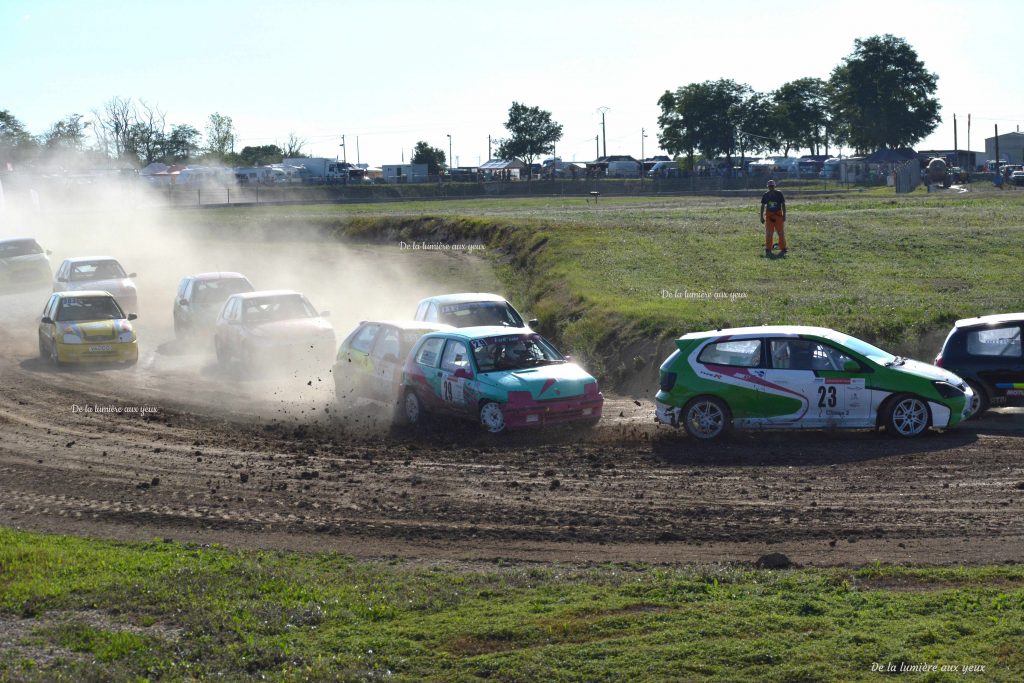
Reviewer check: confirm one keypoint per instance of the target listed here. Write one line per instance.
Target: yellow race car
(86, 327)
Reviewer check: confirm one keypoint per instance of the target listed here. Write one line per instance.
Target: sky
(389, 73)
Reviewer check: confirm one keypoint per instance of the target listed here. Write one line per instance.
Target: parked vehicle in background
(623, 169)
(1017, 178)
(86, 327)
(470, 309)
(24, 265)
(830, 169)
(502, 378)
(200, 298)
(370, 359)
(102, 273)
(273, 329)
(664, 169)
(792, 376)
(986, 352)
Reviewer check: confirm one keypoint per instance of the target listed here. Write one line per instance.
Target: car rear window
(19, 248)
(1000, 341)
(744, 353)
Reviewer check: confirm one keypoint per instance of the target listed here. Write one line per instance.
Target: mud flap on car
(668, 415)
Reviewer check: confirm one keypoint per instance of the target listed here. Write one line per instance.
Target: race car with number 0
(784, 377)
(503, 378)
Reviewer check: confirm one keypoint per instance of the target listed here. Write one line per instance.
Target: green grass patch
(93, 610)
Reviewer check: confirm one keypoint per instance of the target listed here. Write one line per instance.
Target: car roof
(84, 293)
(12, 240)
(266, 292)
(464, 297)
(483, 331)
(991, 319)
(763, 330)
(411, 325)
(219, 275)
(81, 259)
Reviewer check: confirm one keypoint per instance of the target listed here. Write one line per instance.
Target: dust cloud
(161, 245)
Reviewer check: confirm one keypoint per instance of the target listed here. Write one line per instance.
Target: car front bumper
(540, 413)
(98, 352)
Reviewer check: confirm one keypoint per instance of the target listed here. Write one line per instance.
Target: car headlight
(947, 390)
(126, 337)
(72, 339)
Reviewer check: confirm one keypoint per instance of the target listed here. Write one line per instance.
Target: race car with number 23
(789, 376)
(503, 378)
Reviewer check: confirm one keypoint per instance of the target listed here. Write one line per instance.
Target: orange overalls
(774, 219)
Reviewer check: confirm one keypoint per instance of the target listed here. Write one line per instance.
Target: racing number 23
(826, 396)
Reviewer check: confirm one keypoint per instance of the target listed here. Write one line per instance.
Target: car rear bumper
(98, 352)
(541, 413)
(666, 414)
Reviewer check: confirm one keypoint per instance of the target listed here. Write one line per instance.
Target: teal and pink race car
(790, 376)
(503, 378)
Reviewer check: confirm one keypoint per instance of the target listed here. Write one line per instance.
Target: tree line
(881, 95)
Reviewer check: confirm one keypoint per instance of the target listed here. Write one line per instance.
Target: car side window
(62, 274)
(229, 309)
(182, 285)
(48, 308)
(364, 338)
(744, 353)
(431, 316)
(999, 341)
(388, 344)
(805, 354)
(430, 352)
(455, 356)
(421, 311)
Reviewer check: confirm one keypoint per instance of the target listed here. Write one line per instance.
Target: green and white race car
(790, 376)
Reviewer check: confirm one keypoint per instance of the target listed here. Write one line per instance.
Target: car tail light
(938, 361)
(668, 380)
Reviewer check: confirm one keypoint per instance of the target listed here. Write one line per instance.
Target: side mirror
(49, 253)
(47, 320)
(62, 279)
(568, 359)
(532, 322)
(851, 366)
(463, 373)
(183, 302)
(325, 314)
(131, 275)
(132, 316)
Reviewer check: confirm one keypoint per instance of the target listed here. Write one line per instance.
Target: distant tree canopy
(16, 144)
(262, 155)
(533, 133)
(433, 157)
(220, 135)
(881, 95)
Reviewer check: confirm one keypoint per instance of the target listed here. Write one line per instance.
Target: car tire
(706, 418)
(222, 356)
(492, 418)
(907, 416)
(412, 409)
(981, 401)
(54, 357)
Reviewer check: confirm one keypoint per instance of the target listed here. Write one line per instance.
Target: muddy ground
(271, 462)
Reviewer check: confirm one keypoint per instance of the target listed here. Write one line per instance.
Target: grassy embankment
(80, 610)
(601, 277)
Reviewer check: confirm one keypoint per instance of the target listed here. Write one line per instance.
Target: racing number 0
(826, 395)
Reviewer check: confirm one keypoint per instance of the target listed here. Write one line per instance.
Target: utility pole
(344, 154)
(956, 150)
(357, 150)
(604, 133)
(451, 159)
(597, 147)
(997, 149)
(488, 147)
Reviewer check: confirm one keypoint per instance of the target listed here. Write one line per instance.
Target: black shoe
(767, 253)
(783, 252)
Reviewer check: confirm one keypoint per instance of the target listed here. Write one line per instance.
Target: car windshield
(270, 309)
(873, 353)
(212, 292)
(19, 248)
(513, 352)
(479, 314)
(88, 308)
(97, 270)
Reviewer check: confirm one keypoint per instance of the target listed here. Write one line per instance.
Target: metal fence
(908, 176)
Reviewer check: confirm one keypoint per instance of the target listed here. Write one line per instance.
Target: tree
(16, 144)
(703, 116)
(146, 136)
(113, 128)
(883, 96)
(220, 135)
(433, 157)
(68, 134)
(293, 148)
(800, 114)
(261, 155)
(533, 134)
(181, 145)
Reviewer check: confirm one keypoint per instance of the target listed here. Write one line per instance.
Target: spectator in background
(773, 217)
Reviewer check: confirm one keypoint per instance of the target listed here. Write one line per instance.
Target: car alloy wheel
(492, 418)
(413, 408)
(908, 416)
(706, 417)
(979, 402)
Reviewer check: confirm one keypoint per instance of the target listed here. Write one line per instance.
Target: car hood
(292, 328)
(115, 286)
(95, 330)
(932, 372)
(564, 380)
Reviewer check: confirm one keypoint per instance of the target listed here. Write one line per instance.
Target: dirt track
(270, 463)
(306, 478)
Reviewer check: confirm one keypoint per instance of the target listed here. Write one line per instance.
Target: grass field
(80, 610)
(893, 270)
